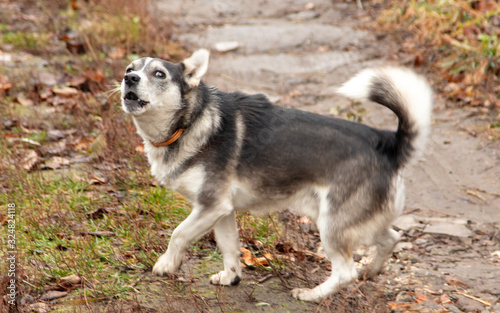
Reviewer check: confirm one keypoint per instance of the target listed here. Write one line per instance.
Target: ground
(297, 52)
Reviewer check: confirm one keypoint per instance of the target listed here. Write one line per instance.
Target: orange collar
(170, 140)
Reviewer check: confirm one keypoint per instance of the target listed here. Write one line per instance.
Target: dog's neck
(157, 126)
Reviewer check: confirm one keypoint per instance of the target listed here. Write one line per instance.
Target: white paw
(225, 278)
(164, 267)
(306, 294)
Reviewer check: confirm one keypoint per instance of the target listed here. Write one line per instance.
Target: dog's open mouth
(132, 96)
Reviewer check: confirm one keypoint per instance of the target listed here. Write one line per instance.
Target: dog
(232, 152)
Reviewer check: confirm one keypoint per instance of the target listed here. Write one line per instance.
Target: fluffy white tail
(407, 94)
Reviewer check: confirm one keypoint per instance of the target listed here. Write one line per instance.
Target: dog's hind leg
(226, 235)
(198, 223)
(385, 243)
(343, 271)
(337, 249)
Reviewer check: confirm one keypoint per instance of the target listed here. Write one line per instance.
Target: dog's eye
(129, 70)
(159, 74)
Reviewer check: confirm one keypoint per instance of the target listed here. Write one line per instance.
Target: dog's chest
(188, 183)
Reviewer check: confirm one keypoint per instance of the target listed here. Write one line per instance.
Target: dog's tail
(404, 92)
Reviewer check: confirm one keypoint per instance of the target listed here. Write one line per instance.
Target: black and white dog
(229, 152)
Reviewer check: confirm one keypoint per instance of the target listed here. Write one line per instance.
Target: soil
(297, 52)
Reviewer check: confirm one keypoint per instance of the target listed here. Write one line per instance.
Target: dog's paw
(225, 278)
(164, 267)
(306, 294)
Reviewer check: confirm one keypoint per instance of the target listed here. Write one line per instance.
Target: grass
(457, 40)
(53, 223)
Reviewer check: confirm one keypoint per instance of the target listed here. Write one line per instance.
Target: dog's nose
(131, 79)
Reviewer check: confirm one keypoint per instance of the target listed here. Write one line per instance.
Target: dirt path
(297, 52)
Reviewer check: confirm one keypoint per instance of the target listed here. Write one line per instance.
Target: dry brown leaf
(39, 307)
(77, 81)
(29, 160)
(55, 148)
(264, 261)
(99, 212)
(139, 148)
(395, 306)
(82, 143)
(57, 162)
(454, 281)
(65, 91)
(53, 294)
(445, 298)
(96, 75)
(22, 100)
(246, 257)
(70, 280)
(98, 179)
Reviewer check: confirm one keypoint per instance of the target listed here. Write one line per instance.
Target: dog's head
(151, 84)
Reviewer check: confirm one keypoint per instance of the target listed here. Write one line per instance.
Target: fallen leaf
(99, 213)
(29, 160)
(98, 146)
(139, 148)
(65, 91)
(53, 294)
(39, 307)
(395, 306)
(454, 281)
(77, 81)
(98, 179)
(246, 257)
(70, 281)
(22, 100)
(95, 75)
(47, 79)
(264, 261)
(445, 298)
(56, 162)
(56, 148)
(82, 143)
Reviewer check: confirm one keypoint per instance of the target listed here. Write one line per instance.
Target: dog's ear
(195, 67)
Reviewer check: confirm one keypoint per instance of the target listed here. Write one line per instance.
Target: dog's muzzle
(130, 99)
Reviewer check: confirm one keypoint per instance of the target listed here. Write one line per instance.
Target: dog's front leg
(199, 222)
(226, 235)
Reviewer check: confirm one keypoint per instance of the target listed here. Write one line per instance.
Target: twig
(485, 302)
(440, 212)
(265, 278)
(278, 274)
(360, 5)
(314, 254)
(475, 194)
